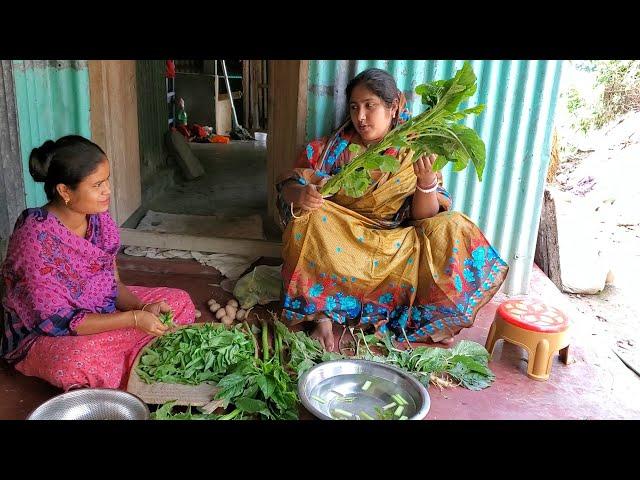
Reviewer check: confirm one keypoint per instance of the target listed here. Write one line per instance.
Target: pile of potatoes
(228, 313)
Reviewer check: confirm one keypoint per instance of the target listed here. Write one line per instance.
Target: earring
(66, 202)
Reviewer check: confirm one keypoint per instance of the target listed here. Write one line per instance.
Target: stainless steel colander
(92, 404)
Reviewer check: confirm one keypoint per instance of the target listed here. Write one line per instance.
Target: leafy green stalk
(265, 341)
(253, 339)
(279, 349)
(436, 130)
(167, 319)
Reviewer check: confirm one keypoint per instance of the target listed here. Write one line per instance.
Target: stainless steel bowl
(92, 404)
(343, 379)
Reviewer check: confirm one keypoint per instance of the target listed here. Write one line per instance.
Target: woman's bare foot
(444, 342)
(323, 332)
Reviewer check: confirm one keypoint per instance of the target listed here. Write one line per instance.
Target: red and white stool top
(533, 315)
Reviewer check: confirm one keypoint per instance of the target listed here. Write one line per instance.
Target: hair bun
(40, 159)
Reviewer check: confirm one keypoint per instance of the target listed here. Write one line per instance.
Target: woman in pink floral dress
(66, 317)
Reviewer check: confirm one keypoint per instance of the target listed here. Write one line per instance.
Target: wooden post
(547, 255)
(114, 126)
(288, 92)
(246, 92)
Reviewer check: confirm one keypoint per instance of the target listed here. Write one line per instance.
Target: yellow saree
(363, 262)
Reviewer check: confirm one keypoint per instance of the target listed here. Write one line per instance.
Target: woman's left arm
(425, 199)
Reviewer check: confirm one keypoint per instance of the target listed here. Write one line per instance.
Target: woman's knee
(182, 306)
(438, 223)
(180, 298)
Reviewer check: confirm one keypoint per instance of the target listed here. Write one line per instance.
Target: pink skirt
(101, 360)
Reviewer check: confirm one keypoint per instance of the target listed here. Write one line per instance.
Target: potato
(233, 302)
(211, 301)
(231, 311)
(214, 308)
(240, 315)
(198, 314)
(227, 320)
(220, 313)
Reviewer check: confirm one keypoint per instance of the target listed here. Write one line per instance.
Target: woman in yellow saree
(396, 259)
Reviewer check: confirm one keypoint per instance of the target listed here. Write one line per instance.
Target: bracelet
(428, 190)
(293, 214)
(145, 306)
(432, 184)
(135, 319)
(431, 188)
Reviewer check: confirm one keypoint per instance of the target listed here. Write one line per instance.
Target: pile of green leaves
(195, 354)
(261, 387)
(467, 362)
(266, 387)
(436, 130)
(255, 388)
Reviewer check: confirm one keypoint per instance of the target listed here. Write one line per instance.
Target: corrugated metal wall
(516, 126)
(52, 99)
(12, 200)
(155, 171)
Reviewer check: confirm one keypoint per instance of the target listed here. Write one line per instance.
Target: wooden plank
(264, 92)
(134, 219)
(156, 171)
(222, 109)
(259, 95)
(547, 254)
(114, 126)
(263, 248)
(246, 91)
(128, 174)
(255, 96)
(185, 158)
(209, 67)
(224, 97)
(287, 122)
(554, 161)
(301, 118)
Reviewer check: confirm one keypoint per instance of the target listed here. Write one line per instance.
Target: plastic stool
(538, 328)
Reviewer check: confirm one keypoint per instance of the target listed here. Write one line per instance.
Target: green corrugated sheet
(52, 98)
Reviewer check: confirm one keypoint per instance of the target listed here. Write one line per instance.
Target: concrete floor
(235, 182)
(596, 385)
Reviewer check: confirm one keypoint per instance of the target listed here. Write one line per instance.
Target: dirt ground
(600, 175)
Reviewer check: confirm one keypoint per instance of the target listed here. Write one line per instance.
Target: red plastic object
(533, 315)
(219, 139)
(184, 131)
(171, 69)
